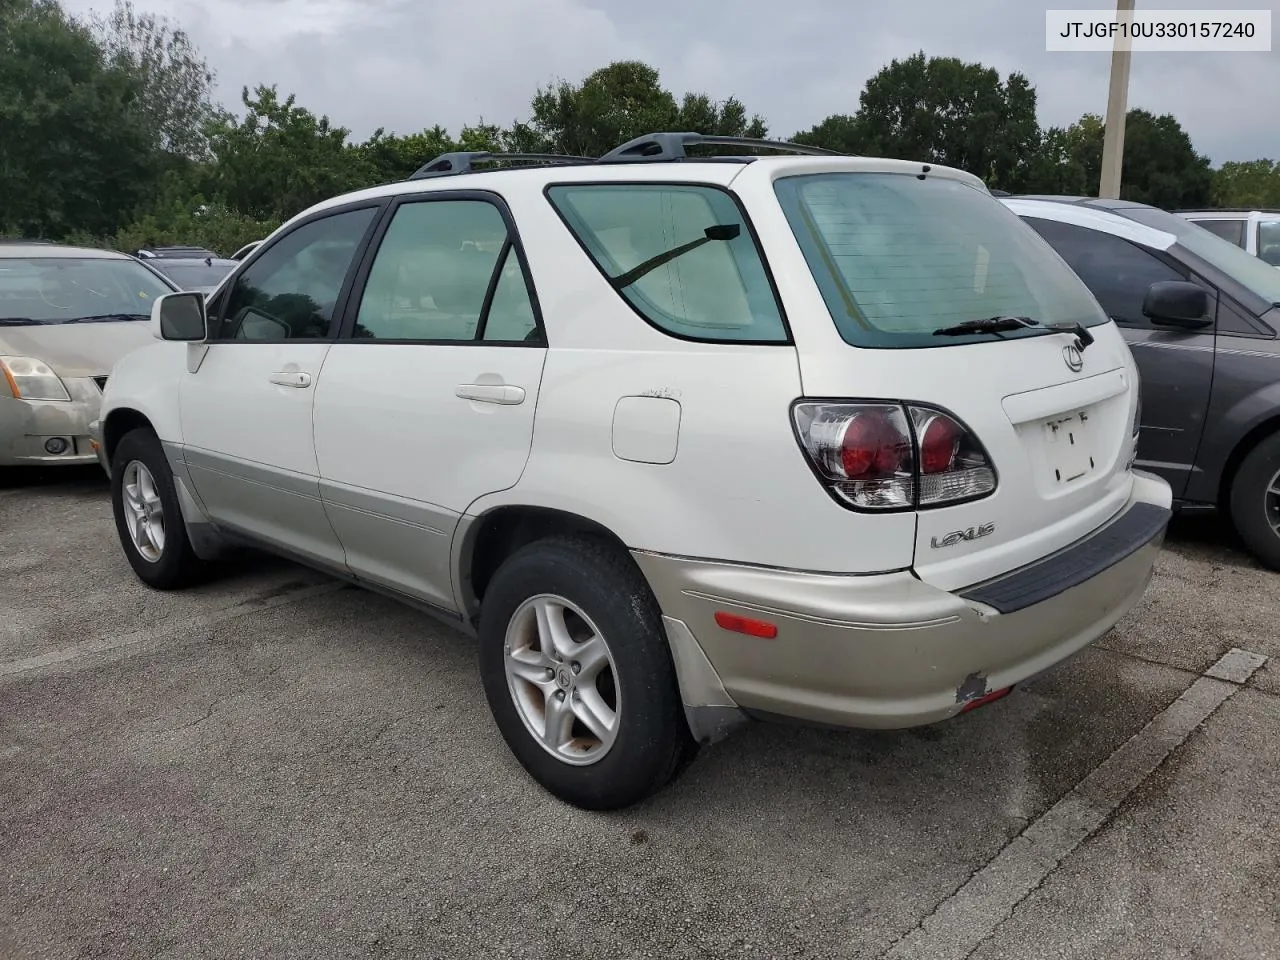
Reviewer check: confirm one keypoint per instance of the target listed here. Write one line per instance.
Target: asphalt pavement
(277, 765)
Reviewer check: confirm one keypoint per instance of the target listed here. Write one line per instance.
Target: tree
(941, 110)
(1160, 167)
(1255, 183)
(618, 103)
(176, 82)
(280, 158)
(1068, 160)
(839, 132)
(75, 152)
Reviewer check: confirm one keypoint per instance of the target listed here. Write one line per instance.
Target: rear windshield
(898, 257)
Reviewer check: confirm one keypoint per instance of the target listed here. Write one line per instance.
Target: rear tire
(148, 515)
(1255, 501)
(610, 664)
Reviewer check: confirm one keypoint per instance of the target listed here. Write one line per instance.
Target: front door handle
(503, 393)
(291, 378)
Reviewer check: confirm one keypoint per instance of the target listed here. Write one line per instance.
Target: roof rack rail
(654, 147)
(451, 164)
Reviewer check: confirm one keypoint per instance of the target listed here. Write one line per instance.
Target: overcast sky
(409, 64)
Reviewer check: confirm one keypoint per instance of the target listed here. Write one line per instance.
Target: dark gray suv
(1201, 317)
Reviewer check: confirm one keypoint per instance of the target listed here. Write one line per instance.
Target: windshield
(1254, 274)
(58, 289)
(898, 257)
(194, 276)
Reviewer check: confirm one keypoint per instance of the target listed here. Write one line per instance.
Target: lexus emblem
(1071, 354)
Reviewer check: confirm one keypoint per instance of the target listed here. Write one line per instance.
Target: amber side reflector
(752, 628)
(94, 443)
(982, 701)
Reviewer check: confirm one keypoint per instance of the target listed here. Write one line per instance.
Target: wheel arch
(1242, 448)
(482, 542)
(117, 423)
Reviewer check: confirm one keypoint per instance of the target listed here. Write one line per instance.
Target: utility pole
(1117, 107)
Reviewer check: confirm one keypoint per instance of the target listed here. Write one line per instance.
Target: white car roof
(717, 173)
(1093, 218)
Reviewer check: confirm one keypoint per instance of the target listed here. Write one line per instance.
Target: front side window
(53, 290)
(680, 254)
(1117, 272)
(1230, 230)
(446, 271)
(291, 291)
(900, 257)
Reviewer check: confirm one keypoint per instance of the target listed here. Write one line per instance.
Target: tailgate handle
(503, 393)
(291, 378)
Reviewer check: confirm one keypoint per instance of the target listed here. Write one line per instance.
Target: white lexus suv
(682, 441)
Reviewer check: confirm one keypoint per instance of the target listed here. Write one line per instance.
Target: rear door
(901, 257)
(427, 398)
(1176, 365)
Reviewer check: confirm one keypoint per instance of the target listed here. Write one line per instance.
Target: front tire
(1255, 501)
(578, 674)
(148, 516)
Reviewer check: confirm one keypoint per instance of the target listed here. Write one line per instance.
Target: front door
(428, 396)
(1175, 365)
(246, 406)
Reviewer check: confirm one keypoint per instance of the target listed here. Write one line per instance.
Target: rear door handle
(491, 392)
(291, 378)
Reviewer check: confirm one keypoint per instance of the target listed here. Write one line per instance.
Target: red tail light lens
(887, 456)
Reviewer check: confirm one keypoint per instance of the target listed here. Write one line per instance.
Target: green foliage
(1253, 184)
(176, 82)
(279, 158)
(618, 103)
(76, 150)
(941, 110)
(110, 135)
(1161, 167)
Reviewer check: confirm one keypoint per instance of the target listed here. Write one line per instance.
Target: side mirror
(179, 316)
(1177, 303)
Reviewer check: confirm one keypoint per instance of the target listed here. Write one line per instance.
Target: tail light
(891, 456)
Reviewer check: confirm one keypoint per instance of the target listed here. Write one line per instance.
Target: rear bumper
(26, 426)
(889, 650)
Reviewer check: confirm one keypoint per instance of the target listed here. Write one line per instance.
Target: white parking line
(962, 921)
(159, 630)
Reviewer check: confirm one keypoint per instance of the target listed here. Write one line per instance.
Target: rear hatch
(898, 258)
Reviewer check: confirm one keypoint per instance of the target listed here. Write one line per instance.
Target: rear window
(682, 255)
(897, 257)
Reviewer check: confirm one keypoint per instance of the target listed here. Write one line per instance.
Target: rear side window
(681, 255)
(446, 271)
(898, 257)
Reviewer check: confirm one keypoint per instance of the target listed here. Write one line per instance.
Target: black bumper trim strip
(1072, 566)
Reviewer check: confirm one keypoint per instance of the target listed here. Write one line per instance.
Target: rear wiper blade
(998, 325)
(988, 325)
(20, 322)
(108, 317)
